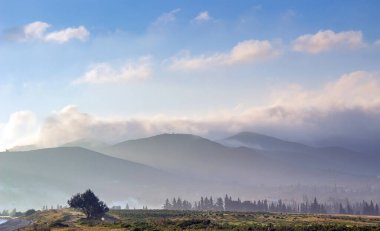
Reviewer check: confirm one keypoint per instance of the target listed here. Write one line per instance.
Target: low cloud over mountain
(342, 111)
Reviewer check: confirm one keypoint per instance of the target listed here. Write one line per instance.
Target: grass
(136, 220)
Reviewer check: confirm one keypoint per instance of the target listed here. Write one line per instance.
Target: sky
(116, 70)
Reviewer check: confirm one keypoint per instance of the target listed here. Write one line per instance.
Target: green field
(68, 219)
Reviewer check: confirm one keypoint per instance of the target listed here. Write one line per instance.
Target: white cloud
(105, 73)
(294, 112)
(62, 36)
(166, 17)
(377, 42)
(348, 106)
(35, 30)
(354, 90)
(246, 51)
(38, 31)
(202, 17)
(327, 40)
(20, 129)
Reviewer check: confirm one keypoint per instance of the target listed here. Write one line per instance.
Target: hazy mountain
(363, 144)
(87, 143)
(262, 142)
(40, 177)
(23, 148)
(336, 158)
(151, 169)
(35, 178)
(195, 156)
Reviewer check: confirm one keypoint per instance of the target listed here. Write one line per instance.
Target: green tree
(89, 203)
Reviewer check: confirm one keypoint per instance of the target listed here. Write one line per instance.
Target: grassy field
(68, 219)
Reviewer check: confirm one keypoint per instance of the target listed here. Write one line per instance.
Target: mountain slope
(90, 144)
(195, 156)
(54, 174)
(262, 142)
(150, 170)
(188, 154)
(336, 158)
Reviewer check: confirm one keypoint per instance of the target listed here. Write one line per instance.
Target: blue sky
(179, 59)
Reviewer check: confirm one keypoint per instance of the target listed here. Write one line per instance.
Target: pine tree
(341, 209)
(174, 204)
(206, 204)
(219, 204)
(167, 204)
(371, 208)
(179, 204)
(226, 203)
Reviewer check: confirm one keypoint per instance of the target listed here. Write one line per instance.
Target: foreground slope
(200, 220)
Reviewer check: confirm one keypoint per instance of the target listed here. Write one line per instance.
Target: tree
(167, 204)
(341, 209)
(219, 204)
(89, 203)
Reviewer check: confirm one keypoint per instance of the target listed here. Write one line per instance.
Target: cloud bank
(327, 40)
(349, 107)
(37, 31)
(245, 51)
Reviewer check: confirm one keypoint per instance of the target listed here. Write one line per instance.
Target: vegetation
(205, 214)
(307, 207)
(133, 220)
(89, 203)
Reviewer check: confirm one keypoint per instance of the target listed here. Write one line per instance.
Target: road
(13, 224)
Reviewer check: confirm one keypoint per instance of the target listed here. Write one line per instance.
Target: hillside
(196, 156)
(199, 220)
(147, 171)
(325, 158)
(47, 176)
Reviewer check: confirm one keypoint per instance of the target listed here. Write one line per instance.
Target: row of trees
(229, 204)
(15, 213)
(367, 208)
(11, 213)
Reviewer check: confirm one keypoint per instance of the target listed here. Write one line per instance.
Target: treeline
(314, 206)
(11, 213)
(15, 213)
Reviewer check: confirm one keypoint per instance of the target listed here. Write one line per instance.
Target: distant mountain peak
(261, 141)
(86, 143)
(172, 138)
